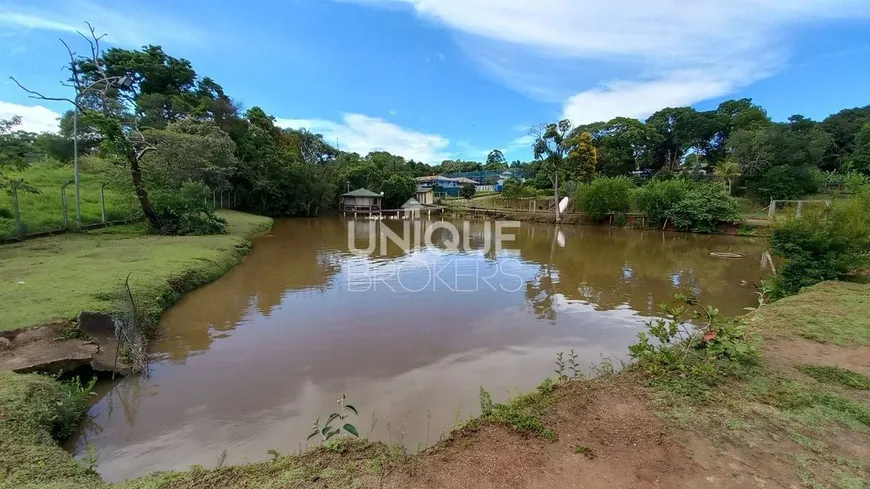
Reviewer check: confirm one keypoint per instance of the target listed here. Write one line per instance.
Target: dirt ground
(624, 445)
(611, 437)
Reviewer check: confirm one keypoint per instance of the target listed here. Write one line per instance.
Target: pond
(247, 363)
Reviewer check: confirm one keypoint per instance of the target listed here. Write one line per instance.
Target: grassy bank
(797, 417)
(56, 277)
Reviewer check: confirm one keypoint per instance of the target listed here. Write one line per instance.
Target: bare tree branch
(36, 95)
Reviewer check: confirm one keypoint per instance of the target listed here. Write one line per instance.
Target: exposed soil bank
(777, 427)
(48, 286)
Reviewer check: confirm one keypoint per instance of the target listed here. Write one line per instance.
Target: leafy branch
(327, 431)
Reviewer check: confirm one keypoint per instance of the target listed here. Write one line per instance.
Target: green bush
(694, 343)
(514, 189)
(824, 244)
(657, 199)
(604, 195)
(785, 182)
(186, 211)
(704, 206)
(467, 190)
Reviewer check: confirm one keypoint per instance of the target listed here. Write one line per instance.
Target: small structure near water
(361, 200)
(412, 208)
(425, 196)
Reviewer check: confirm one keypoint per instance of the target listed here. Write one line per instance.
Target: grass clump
(581, 449)
(806, 405)
(523, 413)
(35, 413)
(62, 275)
(836, 375)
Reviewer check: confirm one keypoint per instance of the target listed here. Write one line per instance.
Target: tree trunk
(141, 193)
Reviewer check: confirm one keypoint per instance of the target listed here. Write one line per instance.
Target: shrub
(673, 348)
(186, 211)
(467, 190)
(605, 195)
(704, 206)
(514, 189)
(657, 199)
(784, 182)
(824, 244)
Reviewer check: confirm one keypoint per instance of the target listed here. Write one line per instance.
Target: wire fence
(27, 214)
(132, 339)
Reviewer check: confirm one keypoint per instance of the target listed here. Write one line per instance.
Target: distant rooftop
(361, 192)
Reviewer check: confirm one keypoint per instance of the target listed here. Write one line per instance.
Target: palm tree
(727, 171)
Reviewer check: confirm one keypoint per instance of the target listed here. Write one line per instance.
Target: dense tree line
(168, 129)
(739, 143)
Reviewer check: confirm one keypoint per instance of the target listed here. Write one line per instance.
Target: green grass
(524, 412)
(581, 449)
(836, 375)
(60, 276)
(829, 312)
(358, 462)
(36, 412)
(43, 211)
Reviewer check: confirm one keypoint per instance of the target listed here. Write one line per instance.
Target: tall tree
(495, 160)
(582, 157)
(551, 149)
(675, 134)
(843, 128)
(859, 160)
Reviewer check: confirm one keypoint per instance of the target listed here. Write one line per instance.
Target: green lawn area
(752, 209)
(830, 312)
(43, 211)
(60, 276)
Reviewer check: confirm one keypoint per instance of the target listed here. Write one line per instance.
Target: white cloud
(34, 118)
(441, 57)
(394, 112)
(628, 57)
(640, 99)
(128, 28)
(522, 143)
(363, 134)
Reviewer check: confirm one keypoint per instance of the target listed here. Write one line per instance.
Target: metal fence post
(16, 209)
(63, 204)
(102, 203)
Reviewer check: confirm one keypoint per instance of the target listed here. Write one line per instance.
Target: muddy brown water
(247, 363)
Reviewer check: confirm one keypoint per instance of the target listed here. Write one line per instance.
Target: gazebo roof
(412, 204)
(361, 192)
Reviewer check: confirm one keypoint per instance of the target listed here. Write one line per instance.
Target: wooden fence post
(771, 213)
(63, 204)
(102, 203)
(16, 209)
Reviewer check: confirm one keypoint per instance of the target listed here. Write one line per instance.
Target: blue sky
(437, 79)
